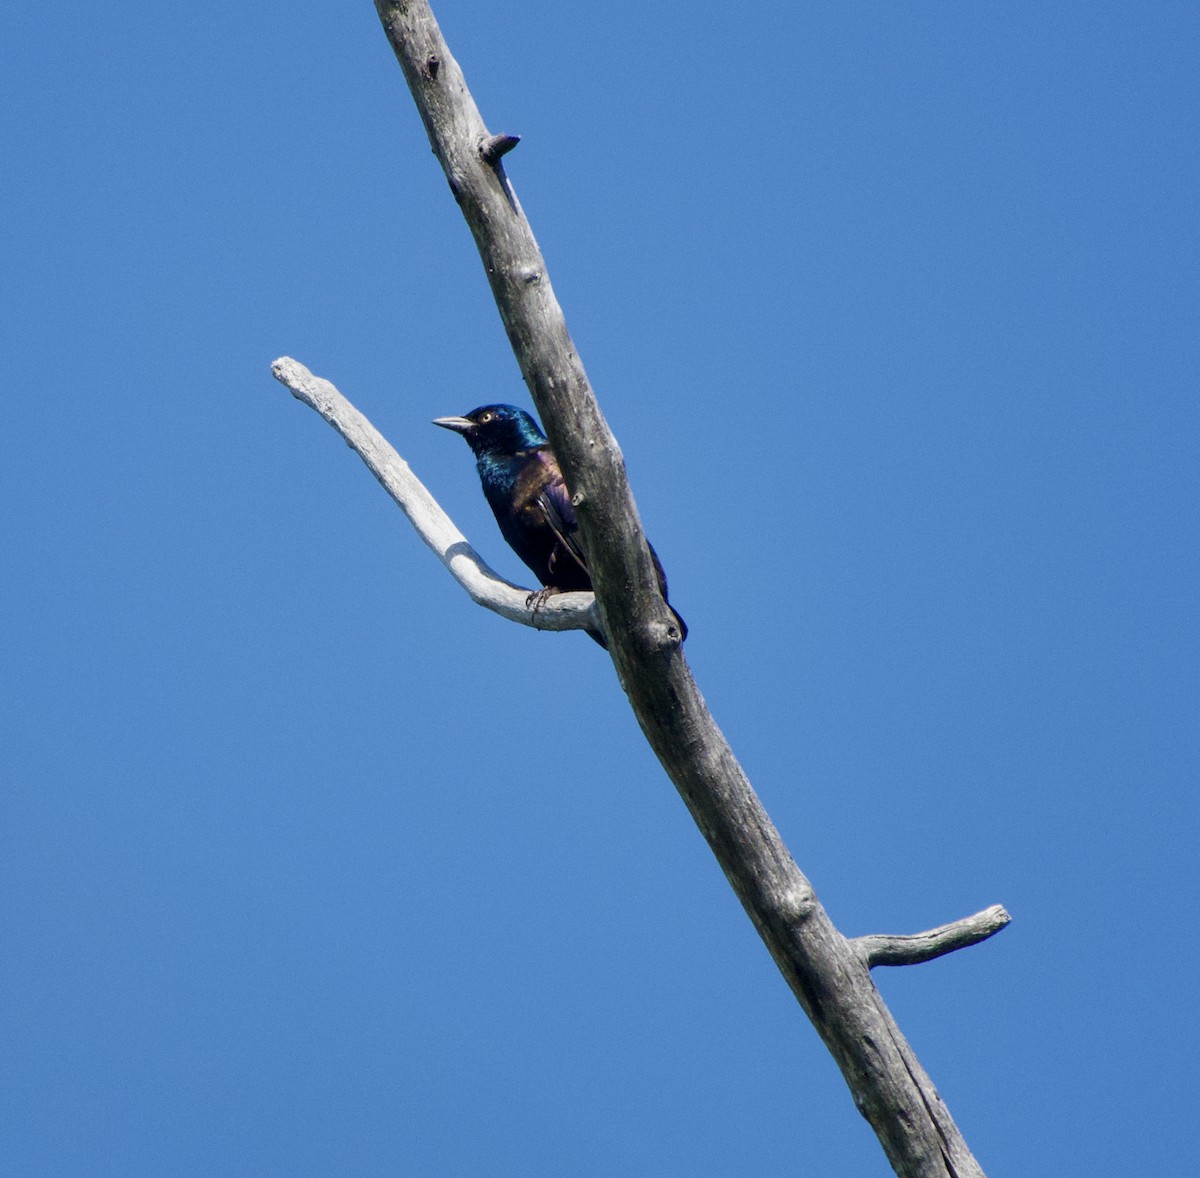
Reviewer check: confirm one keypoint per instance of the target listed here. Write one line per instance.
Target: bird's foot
(536, 601)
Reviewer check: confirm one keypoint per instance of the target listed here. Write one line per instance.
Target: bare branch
(828, 976)
(563, 611)
(914, 948)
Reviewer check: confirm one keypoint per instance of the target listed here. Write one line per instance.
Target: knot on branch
(797, 904)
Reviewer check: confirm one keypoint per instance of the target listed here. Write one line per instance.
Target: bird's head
(496, 429)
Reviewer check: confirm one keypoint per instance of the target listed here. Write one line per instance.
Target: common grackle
(526, 492)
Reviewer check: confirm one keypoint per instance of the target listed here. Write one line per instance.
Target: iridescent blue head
(498, 430)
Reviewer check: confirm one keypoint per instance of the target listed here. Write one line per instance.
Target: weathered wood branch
(914, 948)
(563, 611)
(828, 974)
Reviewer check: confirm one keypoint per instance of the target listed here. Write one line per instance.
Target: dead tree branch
(828, 973)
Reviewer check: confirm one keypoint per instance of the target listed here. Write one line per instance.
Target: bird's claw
(536, 601)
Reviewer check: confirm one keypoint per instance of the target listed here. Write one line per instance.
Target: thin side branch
(914, 948)
(563, 611)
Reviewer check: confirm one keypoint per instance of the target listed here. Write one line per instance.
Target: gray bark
(829, 974)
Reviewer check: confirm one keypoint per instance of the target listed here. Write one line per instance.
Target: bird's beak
(460, 425)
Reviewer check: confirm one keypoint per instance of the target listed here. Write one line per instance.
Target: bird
(525, 489)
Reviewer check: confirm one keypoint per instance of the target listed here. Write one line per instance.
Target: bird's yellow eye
(484, 417)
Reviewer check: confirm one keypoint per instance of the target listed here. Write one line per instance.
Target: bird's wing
(555, 502)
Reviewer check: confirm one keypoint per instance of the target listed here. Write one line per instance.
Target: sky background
(308, 866)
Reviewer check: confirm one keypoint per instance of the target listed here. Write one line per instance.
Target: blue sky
(310, 867)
